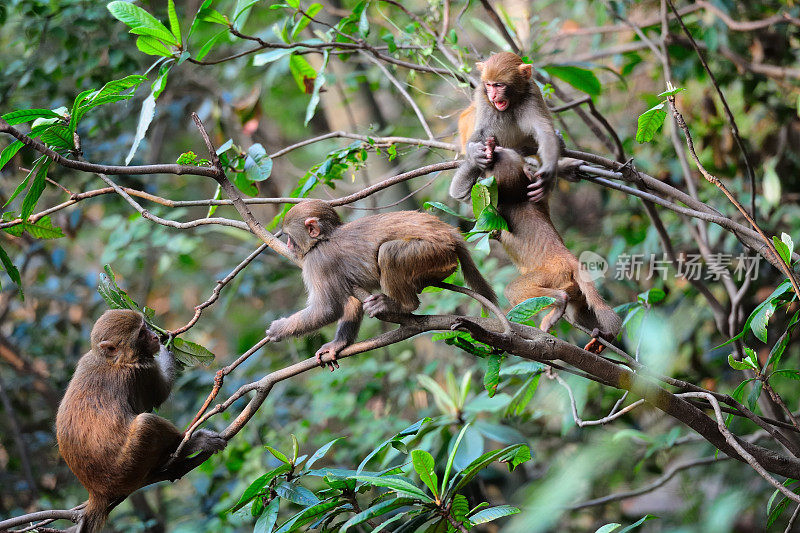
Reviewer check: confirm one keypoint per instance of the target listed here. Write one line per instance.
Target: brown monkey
(106, 432)
(546, 266)
(509, 107)
(399, 253)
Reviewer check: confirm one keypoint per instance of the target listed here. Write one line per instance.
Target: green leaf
(213, 16)
(492, 377)
(317, 455)
(11, 270)
(278, 455)
(191, 353)
(785, 247)
(460, 508)
(671, 92)
(23, 184)
(41, 229)
(787, 373)
(206, 48)
(296, 493)
(651, 296)
(442, 207)
(257, 486)
(452, 456)
(440, 396)
(313, 102)
(58, 136)
(134, 16)
(158, 86)
(609, 528)
(108, 290)
(649, 123)
(523, 396)
(638, 523)
(152, 46)
(9, 152)
(258, 165)
(37, 187)
(312, 10)
(308, 514)
(397, 484)
(755, 393)
(424, 465)
(580, 78)
(740, 365)
(268, 517)
(174, 25)
(489, 220)
(493, 513)
(26, 115)
(525, 311)
(303, 73)
(265, 58)
(472, 470)
(481, 197)
(376, 510)
(157, 33)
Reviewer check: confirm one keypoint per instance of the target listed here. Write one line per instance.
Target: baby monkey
(399, 253)
(106, 432)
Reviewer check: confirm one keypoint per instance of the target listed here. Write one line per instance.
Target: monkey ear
(312, 225)
(526, 69)
(108, 346)
(479, 65)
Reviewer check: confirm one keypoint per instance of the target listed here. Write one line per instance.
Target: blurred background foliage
(52, 50)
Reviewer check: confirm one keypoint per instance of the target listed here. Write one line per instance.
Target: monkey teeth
(501, 105)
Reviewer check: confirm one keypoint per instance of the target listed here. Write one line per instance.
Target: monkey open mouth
(501, 104)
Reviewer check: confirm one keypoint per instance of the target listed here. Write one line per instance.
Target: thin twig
(731, 120)
(198, 310)
(715, 181)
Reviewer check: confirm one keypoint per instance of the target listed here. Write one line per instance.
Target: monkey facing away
(106, 432)
(546, 266)
(399, 253)
(508, 106)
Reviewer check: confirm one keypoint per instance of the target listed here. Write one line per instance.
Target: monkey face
(496, 92)
(147, 341)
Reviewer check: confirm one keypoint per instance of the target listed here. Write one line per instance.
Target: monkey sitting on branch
(399, 253)
(508, 110)
(106, 432)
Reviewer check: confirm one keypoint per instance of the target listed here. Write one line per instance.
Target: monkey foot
(594, 345)
(380, 304)
(332, 348)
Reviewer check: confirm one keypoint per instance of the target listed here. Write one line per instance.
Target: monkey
(509, 106)
(547, 267)
(105, 430)
(399, 253)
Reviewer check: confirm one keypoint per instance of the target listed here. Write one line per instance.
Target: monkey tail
(94, 515)
(473, 276)
(609, 321)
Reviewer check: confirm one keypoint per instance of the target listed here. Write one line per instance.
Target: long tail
(473, 276)
(609, 321)
(94, 515)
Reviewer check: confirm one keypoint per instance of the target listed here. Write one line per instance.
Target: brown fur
(398, 253)
(547, 267)
(106, 434)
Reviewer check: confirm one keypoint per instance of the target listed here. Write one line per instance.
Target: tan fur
(397, 253)
(547, 267)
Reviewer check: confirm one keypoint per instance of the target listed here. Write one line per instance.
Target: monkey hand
(541, 181)
(278, 330)
(205, 440)
(478, 154)
(333, 348)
